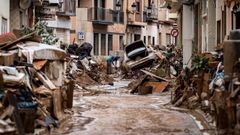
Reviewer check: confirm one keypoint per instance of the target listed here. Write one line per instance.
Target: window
(96, 43)
(224, 23)
(110, 43)
(144, 39)
(78, 3)
(21, 19)
(160, 38)
(121, 45)
(153, 40)
(138, 6)
(149, 40)
(149, 2)
(137, 37)
(238, 20)
(168, 39)
(4, 25)
(218, 32)
(103, 44)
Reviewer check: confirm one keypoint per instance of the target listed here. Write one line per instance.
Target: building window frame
(103, 44)
(121, 45)
(109, 43)
(4, 27)
(168, 38)
(96, 43)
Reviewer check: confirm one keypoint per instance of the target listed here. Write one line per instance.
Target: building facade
(4, 16)
(205, 24)
(57, 14)
(109, 25)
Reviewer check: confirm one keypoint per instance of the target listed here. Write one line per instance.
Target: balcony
(135, 19)
(100, 16)
(118, 17)
(152, 15)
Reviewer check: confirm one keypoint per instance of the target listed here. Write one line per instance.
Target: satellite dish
(25, 4)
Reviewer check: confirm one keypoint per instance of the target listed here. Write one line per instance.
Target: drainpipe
(127, 24)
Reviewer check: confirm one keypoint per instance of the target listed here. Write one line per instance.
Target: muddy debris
(32, 84)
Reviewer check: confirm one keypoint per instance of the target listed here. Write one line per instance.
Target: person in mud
(111, 60)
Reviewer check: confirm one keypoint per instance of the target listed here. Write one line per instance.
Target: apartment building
(109, 25)
(57, 14)
(167, 18)
(204, 24)
(4, 16)
(101, 24)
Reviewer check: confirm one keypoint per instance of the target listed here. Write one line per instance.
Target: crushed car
(137, 56)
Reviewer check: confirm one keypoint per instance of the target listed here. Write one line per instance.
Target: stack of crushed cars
(34, 91)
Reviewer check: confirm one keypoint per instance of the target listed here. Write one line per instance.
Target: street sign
(81, 35)
(174, 32)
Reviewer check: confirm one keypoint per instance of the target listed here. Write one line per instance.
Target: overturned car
(137, 56)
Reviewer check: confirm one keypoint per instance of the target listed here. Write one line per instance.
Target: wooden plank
(57, 104)
(45, 80)
(134, 89)
(38, 64)
(13, 101)
(12, 44)
(70, 89)
(160, 56)
(157, 86)
(155, 76)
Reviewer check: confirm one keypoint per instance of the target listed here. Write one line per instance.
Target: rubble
(32, 84)
(162, 69)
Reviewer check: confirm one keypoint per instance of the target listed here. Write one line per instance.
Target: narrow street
(112, 110)
(119, 67)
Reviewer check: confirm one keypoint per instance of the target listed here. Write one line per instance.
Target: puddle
(115, 86)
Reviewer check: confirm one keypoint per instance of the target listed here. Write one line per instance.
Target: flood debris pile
(34, 90)
(153, 67)
(212, 85)
(84, 68)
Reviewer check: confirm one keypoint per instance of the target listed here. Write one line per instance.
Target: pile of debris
(33, 86)
(152, 67)
(200, 87)
(84, 68)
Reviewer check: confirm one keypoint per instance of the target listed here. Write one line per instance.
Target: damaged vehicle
(137, 56)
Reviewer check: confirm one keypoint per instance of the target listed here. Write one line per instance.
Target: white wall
(4, 12)
(151, 30)
(187, 34)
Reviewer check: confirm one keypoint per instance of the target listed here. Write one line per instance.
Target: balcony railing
(135, 17)
(153, 15)
(118, 17)
(101, 15)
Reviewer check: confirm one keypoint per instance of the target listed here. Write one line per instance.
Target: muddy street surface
(111, 110)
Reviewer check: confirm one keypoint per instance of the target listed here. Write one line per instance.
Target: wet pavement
(113, 111)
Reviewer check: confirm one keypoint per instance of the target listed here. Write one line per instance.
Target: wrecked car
(137, 56)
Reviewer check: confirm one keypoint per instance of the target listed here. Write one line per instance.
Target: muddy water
(119, 113)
